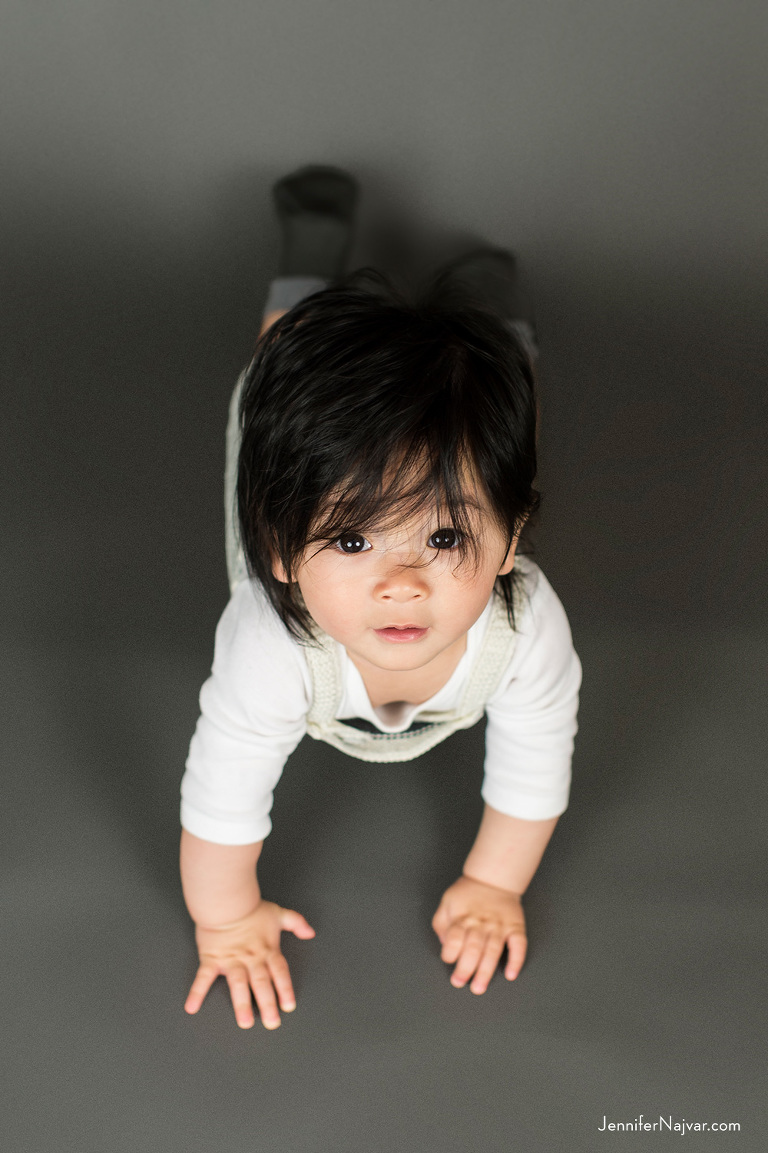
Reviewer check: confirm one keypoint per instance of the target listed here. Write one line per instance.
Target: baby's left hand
(474, 922)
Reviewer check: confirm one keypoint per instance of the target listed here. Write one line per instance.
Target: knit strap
(494, 657)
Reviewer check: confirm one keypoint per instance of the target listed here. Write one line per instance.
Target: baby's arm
(237, 932)
(482, 911)
(508, 850)
(252, 717)
(529, 747)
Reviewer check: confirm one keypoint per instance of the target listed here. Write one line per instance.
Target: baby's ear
(278, 570)
(509, 560)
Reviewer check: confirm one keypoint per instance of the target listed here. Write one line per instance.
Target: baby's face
(368, 586)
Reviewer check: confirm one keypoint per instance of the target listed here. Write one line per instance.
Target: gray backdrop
(620, 149)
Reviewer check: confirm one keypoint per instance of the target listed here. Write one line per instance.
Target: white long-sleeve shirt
(255, 703)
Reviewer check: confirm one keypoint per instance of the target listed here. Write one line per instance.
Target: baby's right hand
(247, 953)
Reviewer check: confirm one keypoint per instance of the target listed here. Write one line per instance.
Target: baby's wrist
(213, 926)
(495, 884)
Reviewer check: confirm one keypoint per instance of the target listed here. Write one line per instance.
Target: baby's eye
(444, 538)
(352, 542)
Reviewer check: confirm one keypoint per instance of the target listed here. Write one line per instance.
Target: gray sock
(316, 208)
(314, 244)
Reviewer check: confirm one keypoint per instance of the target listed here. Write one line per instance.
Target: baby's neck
(412, 687)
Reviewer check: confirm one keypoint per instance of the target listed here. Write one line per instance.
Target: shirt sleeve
(252, 716)
(532, 715)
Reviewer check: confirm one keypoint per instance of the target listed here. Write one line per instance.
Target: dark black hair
(355, 382)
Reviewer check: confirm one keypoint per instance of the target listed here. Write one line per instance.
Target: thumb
(440, 922)
(295, 923)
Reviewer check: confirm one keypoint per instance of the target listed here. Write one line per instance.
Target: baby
(382, 452)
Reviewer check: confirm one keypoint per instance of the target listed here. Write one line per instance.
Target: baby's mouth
(402, 632)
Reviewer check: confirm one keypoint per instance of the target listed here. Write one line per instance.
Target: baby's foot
(489, 278)
(316, 208)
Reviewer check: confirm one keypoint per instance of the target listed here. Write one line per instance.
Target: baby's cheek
(336, 611)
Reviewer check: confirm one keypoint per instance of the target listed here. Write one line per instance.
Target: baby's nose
(402, 584)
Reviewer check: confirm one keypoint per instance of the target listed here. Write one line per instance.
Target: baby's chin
(397, 658)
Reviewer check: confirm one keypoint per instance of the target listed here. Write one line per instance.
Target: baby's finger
(240, 992)
(453, 943)
(204, 978)
(474, 945)
(264, 992)
(517, 946)
(278, 968)
(488, 964)
(295, 923)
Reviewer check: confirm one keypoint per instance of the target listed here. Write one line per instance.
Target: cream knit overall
(325, 668)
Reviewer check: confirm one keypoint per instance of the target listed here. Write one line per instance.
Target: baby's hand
(474, 922)
(247, 953)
